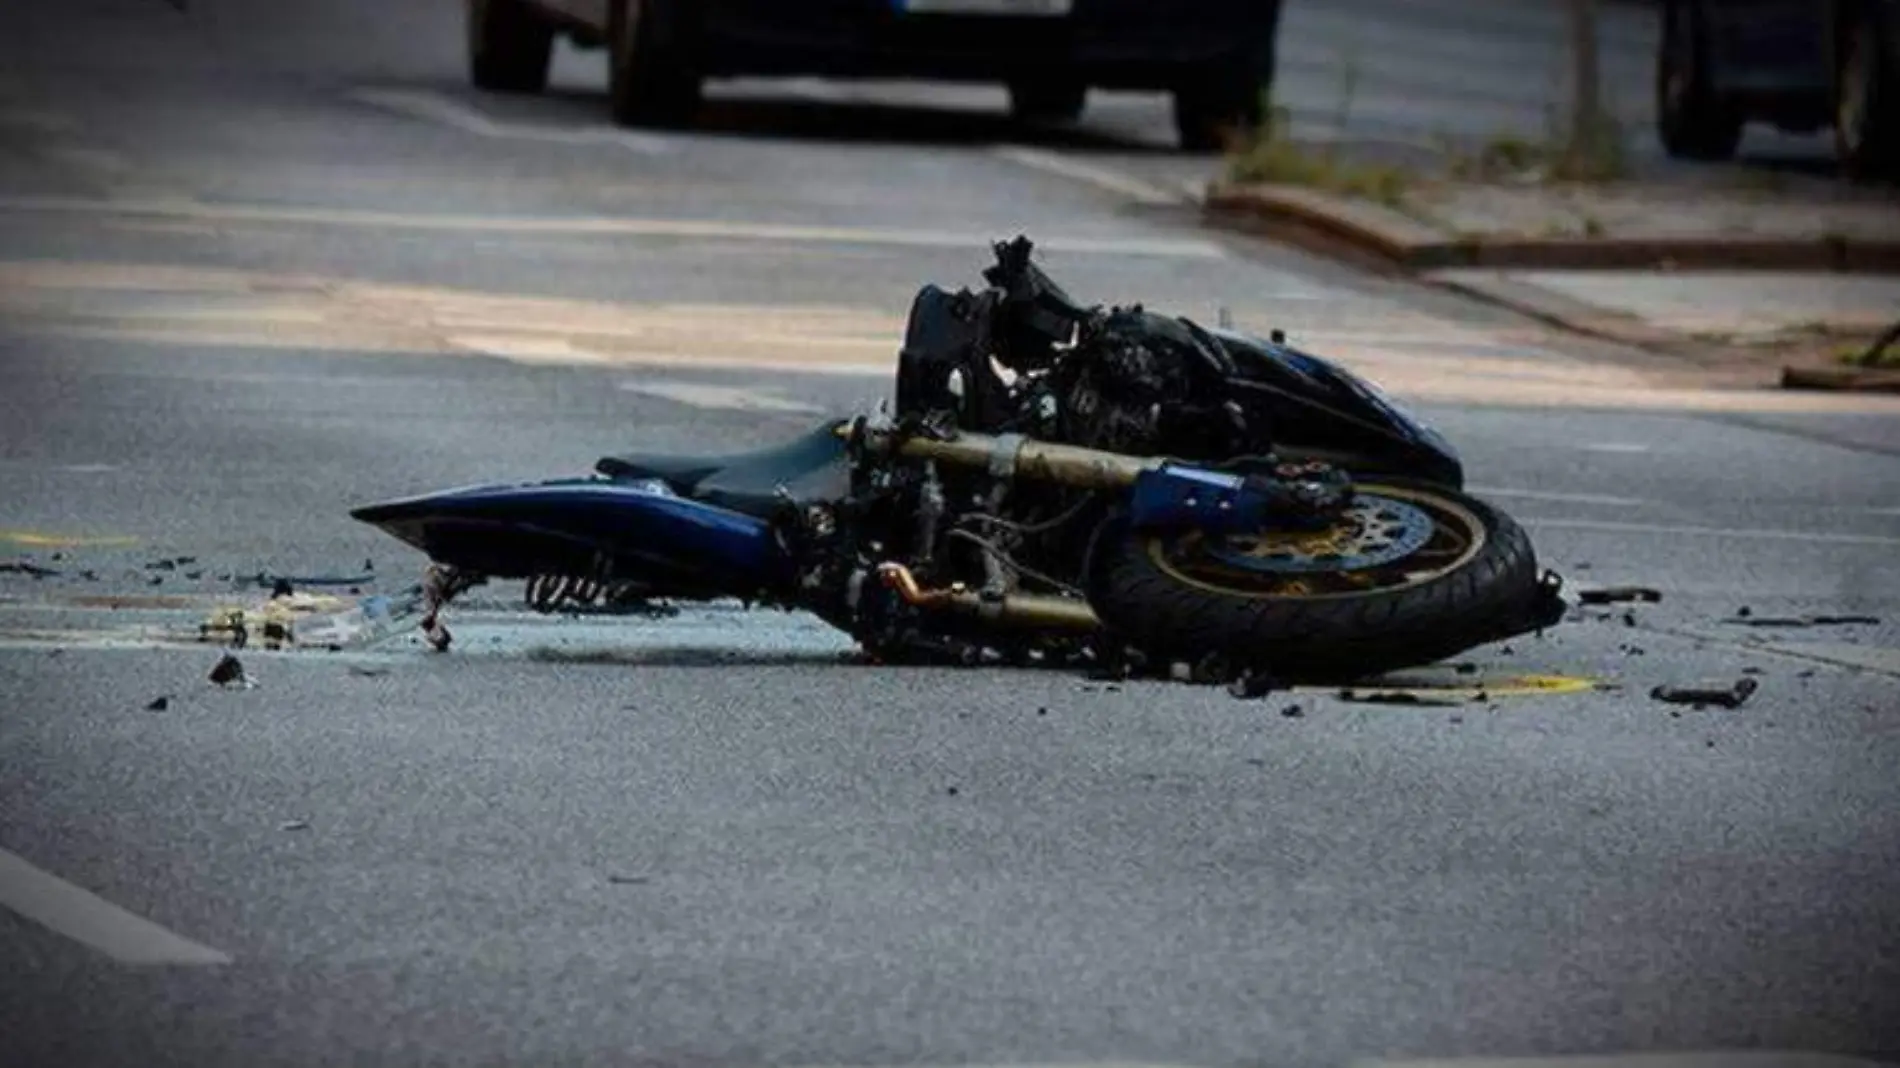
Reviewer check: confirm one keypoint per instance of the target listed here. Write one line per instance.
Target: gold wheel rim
(1451, 546)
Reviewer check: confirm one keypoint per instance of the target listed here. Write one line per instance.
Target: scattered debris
(273, 582)
(229, 673)
(159, 703)
(1398, 697)
(226, 624)
(1507, 651)
(1214, 669)
(1730, 696)
(1252, 685)
(952, 791)
(1629, 619)
(25, 567)
(1752, 671)
(1465, 669)
(1803, 621)
(1457, 719)
(629, 880)
(1619, 595)
(1744, 612)
(1293, 712)
(1042, 710)
(1804, 673)
(294, 825)
(281, 588)
(368, 672)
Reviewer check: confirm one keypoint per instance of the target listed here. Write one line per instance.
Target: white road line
(723, 398)
(1069, 167)
(433, 107)
(1744, 534)
(1567, 498)
(1614, 446)
(92, 920)
(596, 226)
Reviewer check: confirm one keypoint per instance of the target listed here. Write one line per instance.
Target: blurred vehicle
(1802, 65)
(1214, 56)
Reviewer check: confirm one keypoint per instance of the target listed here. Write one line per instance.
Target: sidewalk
(1749, 270)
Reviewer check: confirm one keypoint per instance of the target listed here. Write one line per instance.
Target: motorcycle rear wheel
(1464, 576)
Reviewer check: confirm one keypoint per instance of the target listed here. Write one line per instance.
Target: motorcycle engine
(1143, 384)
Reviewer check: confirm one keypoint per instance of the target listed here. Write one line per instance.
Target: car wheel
(1866, 104)
(1693, 121)
(653, 77)
(1047, 100)
(1213, 109)
(509, 46)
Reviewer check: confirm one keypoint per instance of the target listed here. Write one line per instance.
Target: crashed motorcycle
(1054, 483)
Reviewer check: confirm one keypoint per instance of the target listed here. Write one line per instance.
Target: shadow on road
(863, 121)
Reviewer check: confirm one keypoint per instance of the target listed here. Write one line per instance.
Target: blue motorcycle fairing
(1329, 409)
(642, 528)
(1178, 495)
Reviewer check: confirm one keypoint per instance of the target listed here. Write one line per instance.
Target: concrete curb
(1843, 379)
(1367, 231)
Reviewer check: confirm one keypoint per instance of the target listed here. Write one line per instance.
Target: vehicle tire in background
(1866, 101)
(509, 46)
(1692, 120)
(1213, 107)
(653, 73)
(1047, 100)
(1472, 580)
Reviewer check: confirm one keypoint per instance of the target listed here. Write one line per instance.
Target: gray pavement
(238, 296)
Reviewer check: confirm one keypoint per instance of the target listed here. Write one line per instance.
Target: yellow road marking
(1473, 689)
(37, 540)
(176, 305)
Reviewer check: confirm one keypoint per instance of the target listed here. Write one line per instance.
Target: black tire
(653, 71)
(1693, 121)
(1491, 592)
(1047, 100)
(509, 46)
(1214, 108)
(1866, 102)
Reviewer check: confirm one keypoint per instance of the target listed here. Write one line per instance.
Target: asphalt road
(262, 262)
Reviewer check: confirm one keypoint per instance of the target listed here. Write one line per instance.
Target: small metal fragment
(1721, 696)
(229, 672)
(1619, 595)
(1397, 697)
(1741, 620)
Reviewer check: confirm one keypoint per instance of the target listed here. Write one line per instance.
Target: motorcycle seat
(809, 468)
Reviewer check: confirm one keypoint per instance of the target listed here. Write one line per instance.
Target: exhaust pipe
(1015, 609)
